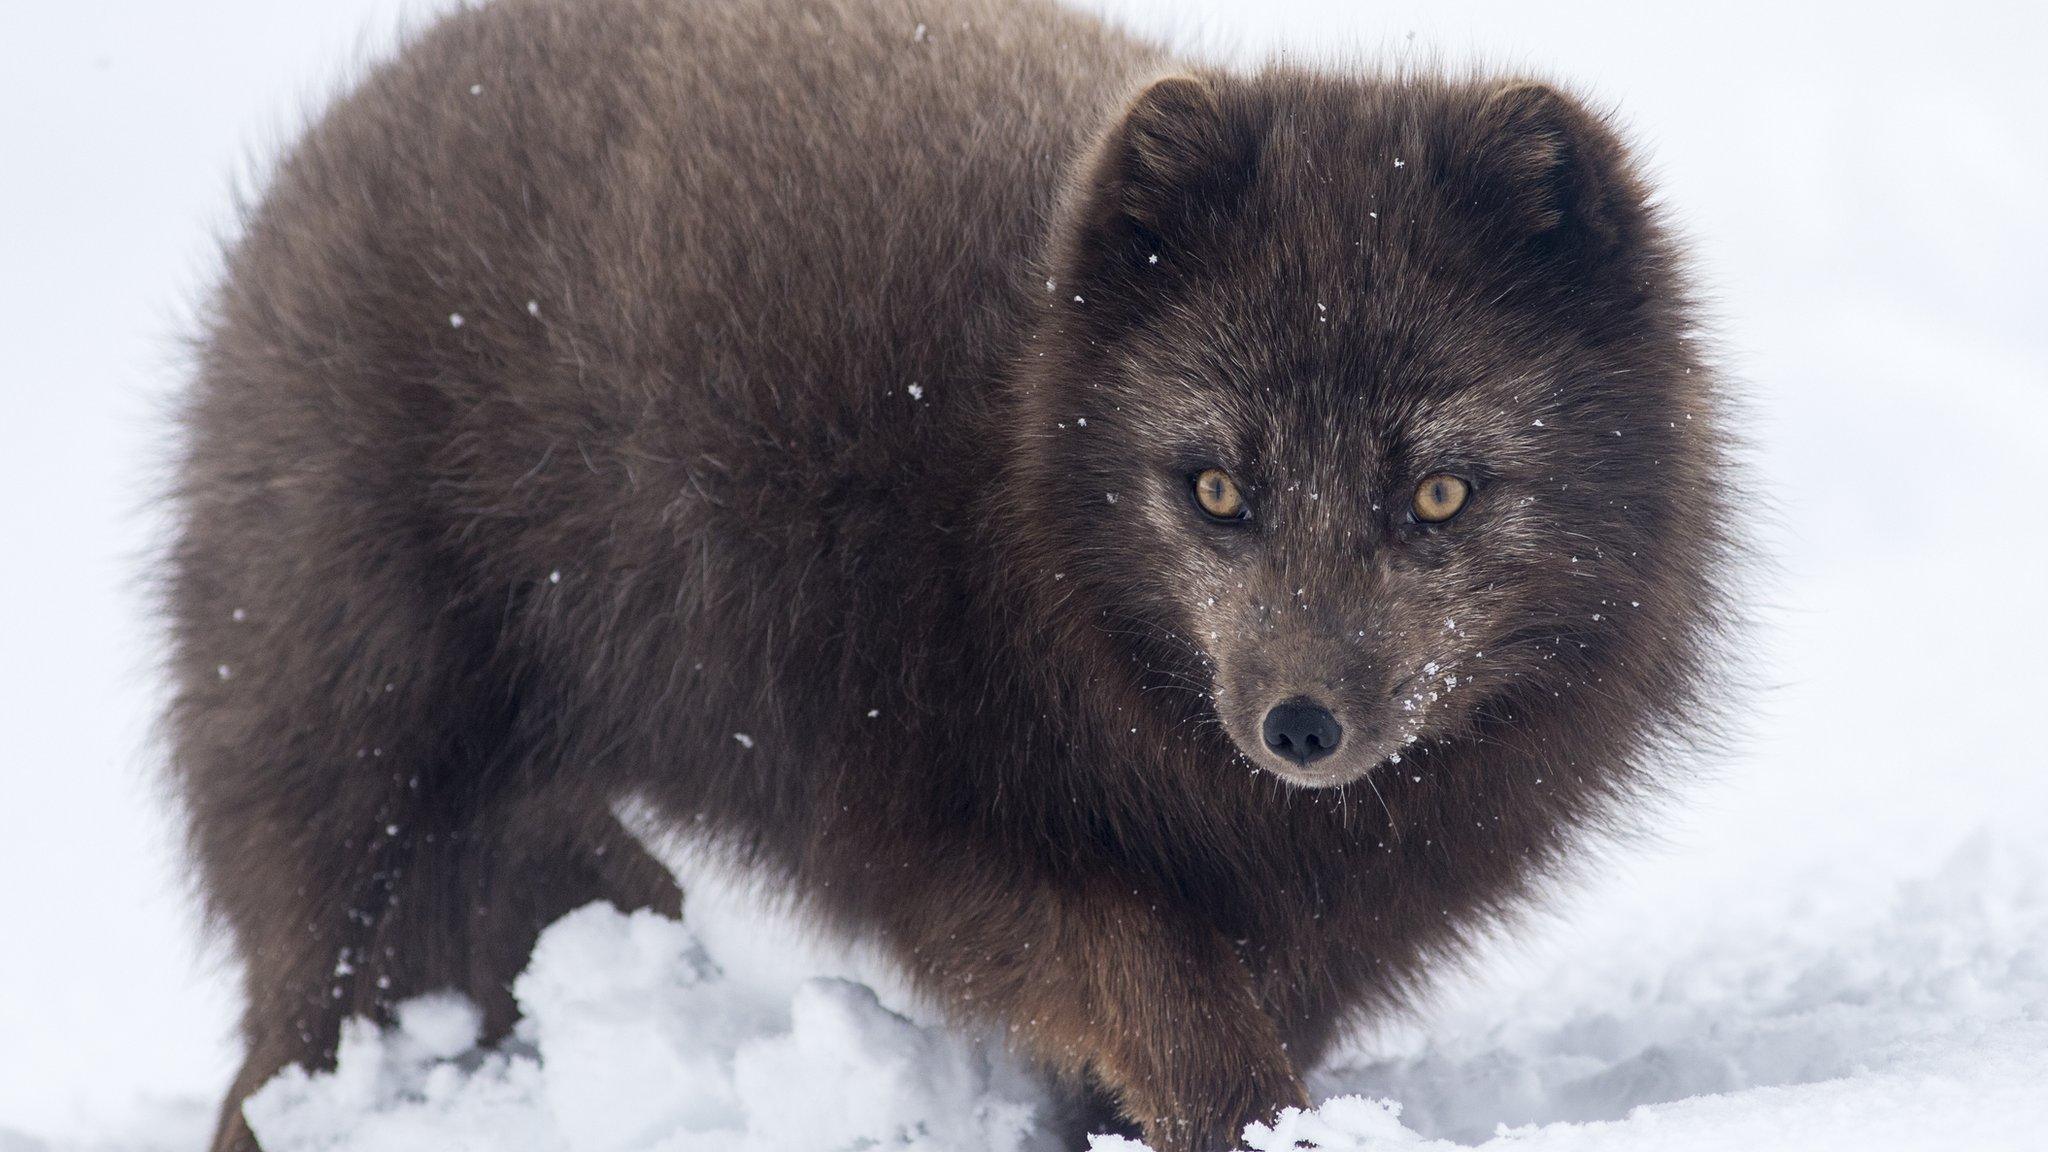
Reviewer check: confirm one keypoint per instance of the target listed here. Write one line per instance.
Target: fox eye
(1439, 497)
(1218, 496)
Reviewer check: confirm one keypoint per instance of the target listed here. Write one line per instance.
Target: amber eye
(1217, 493)
(1439, 497)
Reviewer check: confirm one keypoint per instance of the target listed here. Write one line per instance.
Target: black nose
(1302, 730)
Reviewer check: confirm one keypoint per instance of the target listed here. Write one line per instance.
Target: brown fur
(800, 356)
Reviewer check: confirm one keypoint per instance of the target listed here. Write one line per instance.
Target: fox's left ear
(1546, 170)
(1168, 170)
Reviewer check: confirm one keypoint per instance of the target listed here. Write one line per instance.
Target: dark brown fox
(1166, 551)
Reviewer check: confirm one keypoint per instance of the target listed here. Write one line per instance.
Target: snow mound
(633, 1040)
(1764, 1028)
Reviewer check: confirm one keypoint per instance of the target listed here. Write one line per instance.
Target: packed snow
(1835, 936)
(633, 1037)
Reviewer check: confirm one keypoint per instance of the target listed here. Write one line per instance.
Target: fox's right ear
(1171, 156)
(1171, 167)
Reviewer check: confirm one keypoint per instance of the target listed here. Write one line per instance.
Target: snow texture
(1926, 1025)
(633, 1039)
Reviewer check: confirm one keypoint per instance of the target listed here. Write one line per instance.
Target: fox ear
(1170, 152)
(1546, 169)
(1167, 166)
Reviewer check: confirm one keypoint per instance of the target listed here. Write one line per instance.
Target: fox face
(1358, 436)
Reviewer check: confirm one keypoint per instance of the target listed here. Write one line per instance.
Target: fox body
(1165, 551)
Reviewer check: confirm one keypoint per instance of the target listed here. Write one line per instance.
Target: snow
(1756, 1002)
(1836, 938)
(1922, 1024)
(634, 1038)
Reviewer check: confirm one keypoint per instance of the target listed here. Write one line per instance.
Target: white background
(1865, 186)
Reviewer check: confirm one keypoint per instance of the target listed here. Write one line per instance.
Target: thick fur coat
(787, 415)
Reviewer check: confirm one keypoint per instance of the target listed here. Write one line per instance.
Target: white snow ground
(1922, 1025)
(1838, 940)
